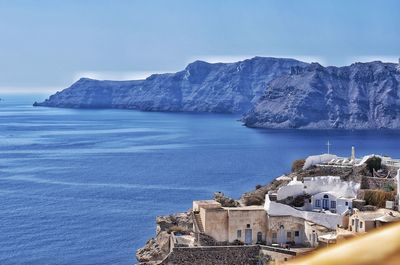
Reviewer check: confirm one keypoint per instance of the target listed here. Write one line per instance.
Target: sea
(81, 186)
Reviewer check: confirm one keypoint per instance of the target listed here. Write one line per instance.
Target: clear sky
(46, 45)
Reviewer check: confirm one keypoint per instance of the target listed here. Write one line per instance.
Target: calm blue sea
(85, 186)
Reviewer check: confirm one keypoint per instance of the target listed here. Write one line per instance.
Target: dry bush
(253, 200)
(378, 197)
(298, 165)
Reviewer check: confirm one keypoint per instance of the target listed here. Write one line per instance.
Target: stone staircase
(199, 224)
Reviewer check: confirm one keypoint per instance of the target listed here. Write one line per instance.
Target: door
(325, 204)
(356, 225)
(281, 235)
(248, 236)
(259, 237)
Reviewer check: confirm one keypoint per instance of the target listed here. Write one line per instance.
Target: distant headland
(267, 92)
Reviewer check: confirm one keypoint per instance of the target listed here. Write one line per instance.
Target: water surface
(85, 186)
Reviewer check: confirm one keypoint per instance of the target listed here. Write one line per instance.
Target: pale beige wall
(215, 223)
(238, 219)
(206, 204)
(291, 224)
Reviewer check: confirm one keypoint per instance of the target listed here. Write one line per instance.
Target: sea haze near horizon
(85, 186)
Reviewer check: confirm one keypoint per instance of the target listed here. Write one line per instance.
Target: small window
(296, 233)
(289, 234)
(317, 203)
(239, 233)
(361, 224)
(333, 204)
(326, 196)
(346, 203)
(248, 226)
(274, 235)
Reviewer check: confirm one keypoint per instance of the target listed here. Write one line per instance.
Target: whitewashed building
(331, 201)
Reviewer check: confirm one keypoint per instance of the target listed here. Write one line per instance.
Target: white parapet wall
(329, 220)
(318, 159)
(314, 185)
(293, 188)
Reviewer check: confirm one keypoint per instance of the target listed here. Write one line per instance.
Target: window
(274, 235)
(317, 203)
(361, 224)
(346, 203)
(333, 204)
(296, 233)
(289, 235)
(352, 221)
(248, 226)
(239, 233)
(326, 196)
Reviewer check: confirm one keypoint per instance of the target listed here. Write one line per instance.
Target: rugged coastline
(267, 92)
(180, 237)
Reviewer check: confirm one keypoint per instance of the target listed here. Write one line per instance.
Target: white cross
(328, 144)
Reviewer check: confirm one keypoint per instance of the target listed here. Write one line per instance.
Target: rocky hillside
(359, 96)
(200, 87)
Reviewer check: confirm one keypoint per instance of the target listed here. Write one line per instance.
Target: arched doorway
(281, 235)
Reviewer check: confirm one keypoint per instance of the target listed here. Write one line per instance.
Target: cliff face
(272, 92)
(201, 87)
(359, 96)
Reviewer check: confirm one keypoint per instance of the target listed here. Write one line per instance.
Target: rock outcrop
(359, 96)
(183, 220)
(156, 249)
(200, 87)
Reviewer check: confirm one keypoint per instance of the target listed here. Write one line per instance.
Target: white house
(331, 201)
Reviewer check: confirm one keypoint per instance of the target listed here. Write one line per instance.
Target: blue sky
(46, 45)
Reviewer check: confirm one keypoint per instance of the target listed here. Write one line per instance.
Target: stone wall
(221, 255)
(377, 183)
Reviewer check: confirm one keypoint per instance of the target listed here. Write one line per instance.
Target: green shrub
(389, 187)
(374, 163)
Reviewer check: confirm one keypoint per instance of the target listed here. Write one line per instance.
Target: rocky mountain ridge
(268, 92)
(200, 87)
(359, 96)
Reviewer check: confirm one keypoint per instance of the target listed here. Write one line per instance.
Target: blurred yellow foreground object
(375, 248)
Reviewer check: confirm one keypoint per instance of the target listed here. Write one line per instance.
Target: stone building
(294, 231)
(365, 221)
(247, 224)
